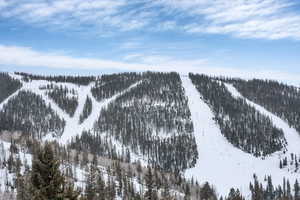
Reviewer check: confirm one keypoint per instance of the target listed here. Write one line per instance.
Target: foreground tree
(47, 182)
(151, 193)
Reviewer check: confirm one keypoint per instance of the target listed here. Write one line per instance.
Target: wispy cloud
(26, 57)
(267, 19)
(101, 15)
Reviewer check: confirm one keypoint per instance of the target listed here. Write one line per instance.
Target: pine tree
(234, 195)
(166, 190)
(100, 187)
(151, 193)
(47, 182)
(22, 188)
(207, 192)
(296, 190)
(90, 189)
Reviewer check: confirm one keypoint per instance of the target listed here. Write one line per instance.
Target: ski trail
(10, 97)
(34, 86)
(219, 162)
(291, 135)
(72, 131)
(72, 125)
(83, 93)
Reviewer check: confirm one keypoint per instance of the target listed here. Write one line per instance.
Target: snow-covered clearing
(220, 163)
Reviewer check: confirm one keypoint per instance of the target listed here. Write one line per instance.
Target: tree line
(8, 85)
(29, 114)
(66, 99)
(79, 80)
(152, 119)
(242, 125)
(281, 99)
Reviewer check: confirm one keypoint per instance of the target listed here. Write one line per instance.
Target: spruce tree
(151, 193)
(296, 190)
(47, 182)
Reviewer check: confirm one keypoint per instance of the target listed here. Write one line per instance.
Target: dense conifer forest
(87, 109)
(108, 85)
(79, 80)
(152, 119)
(65, 98)
(29, 114)
(8, 85)
(279, 98)
(56, 173)
(239, 122)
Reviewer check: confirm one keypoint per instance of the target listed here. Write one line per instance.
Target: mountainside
(208, 129)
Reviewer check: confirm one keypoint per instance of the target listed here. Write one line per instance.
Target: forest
(28, 114)
(8, 85)
(279, 98)
(152, 119)
(242, 125)
(79, 80)
(65, 98)
(56, 173)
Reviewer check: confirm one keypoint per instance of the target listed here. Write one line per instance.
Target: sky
(239, 38)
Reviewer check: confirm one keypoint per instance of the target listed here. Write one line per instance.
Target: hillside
(206, 129)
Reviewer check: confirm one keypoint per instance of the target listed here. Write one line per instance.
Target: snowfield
(219, 162)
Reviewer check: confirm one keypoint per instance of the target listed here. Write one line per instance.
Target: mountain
(197, 128)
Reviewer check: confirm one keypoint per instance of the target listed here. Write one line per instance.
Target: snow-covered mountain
(211, 129)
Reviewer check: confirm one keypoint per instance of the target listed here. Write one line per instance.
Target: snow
(9, 97)
(219, 162)
(291, 135)
(73, 126)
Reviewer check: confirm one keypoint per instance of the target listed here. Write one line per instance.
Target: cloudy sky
(246, 38)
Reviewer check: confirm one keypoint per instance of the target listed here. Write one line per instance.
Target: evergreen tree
(47, 182)
(296, 190)
(151, 193)
(207, 192)
(90, 189)
(234, 195)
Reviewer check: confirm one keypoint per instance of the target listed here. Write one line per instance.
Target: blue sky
(246, 38)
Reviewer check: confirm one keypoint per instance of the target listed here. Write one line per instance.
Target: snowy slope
(220, 163)
(73, 126)
(291, 135)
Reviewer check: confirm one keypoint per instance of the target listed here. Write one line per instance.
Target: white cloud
(27, 57)
(69, 13)
(267, 19)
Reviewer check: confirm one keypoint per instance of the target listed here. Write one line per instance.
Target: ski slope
(219, 162)
(291, 135)
(73, 127)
